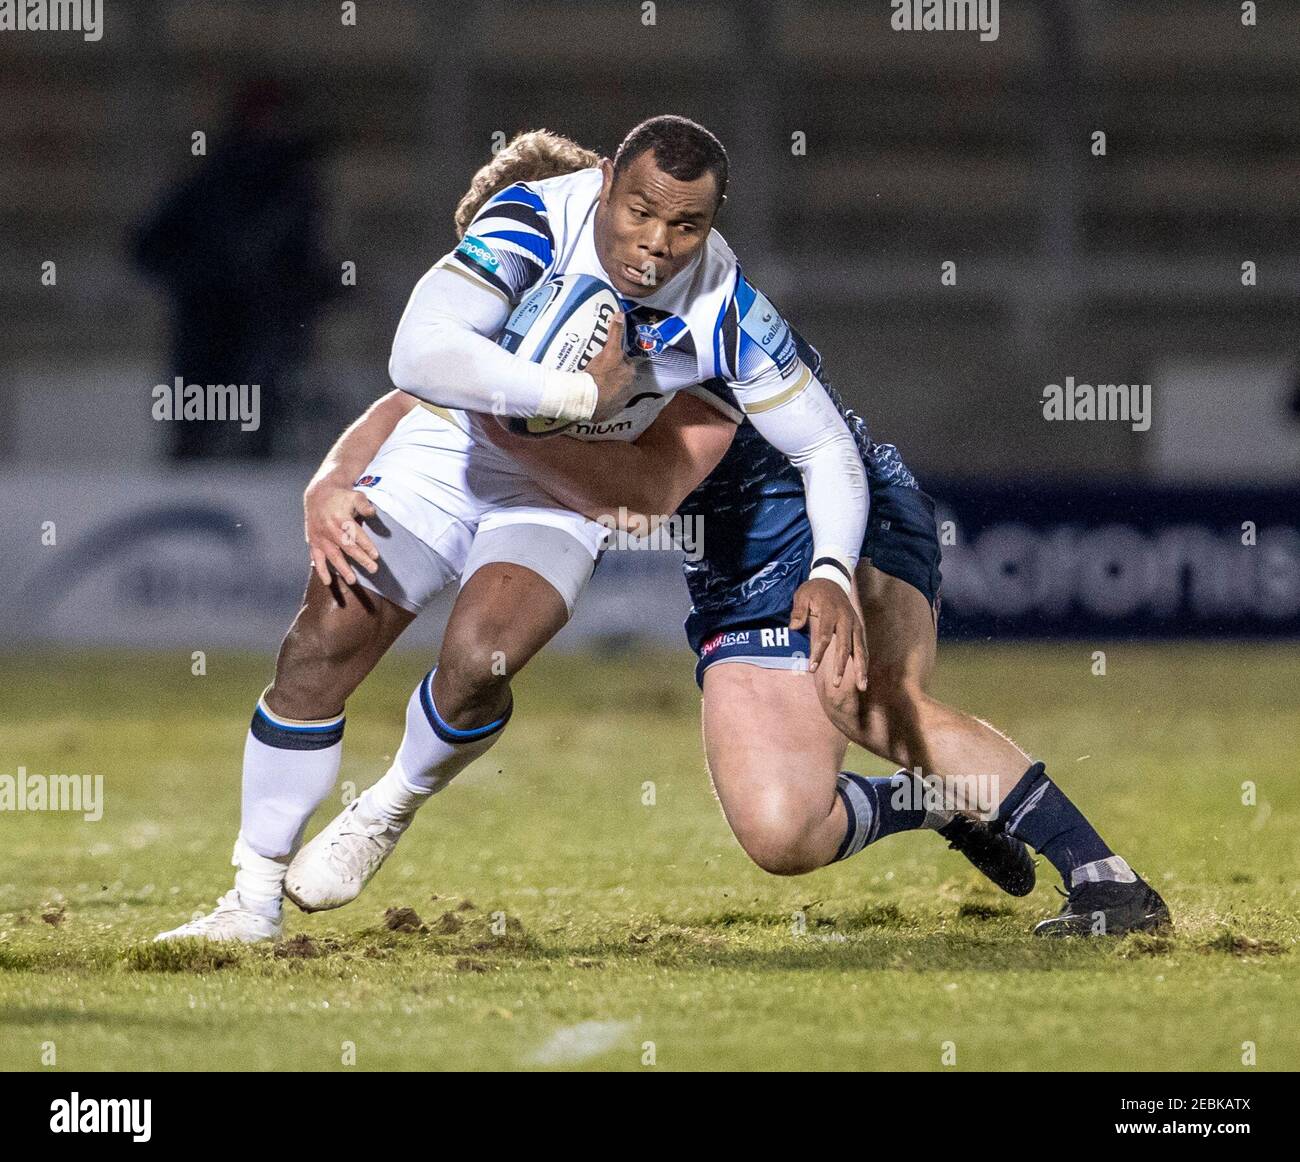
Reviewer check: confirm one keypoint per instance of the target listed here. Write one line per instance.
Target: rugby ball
(561, 324)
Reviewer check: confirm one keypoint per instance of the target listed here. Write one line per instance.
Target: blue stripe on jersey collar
(519, 193)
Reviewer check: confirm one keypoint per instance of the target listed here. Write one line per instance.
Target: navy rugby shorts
(748, 613)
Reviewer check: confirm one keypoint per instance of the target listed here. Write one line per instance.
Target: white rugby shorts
(451, 503)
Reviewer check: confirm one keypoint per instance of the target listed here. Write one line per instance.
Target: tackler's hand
(332, 517)
(832, 618)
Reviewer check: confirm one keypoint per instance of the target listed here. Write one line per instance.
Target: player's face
(649, 225)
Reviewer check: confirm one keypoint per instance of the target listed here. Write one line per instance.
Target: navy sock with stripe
(1038, 812)
(877, 806)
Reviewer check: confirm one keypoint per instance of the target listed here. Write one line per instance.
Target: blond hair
(527, 157)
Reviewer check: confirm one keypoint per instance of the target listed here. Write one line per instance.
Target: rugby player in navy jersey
(773, 756)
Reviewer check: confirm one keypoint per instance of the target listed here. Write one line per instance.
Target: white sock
(392, 798)
(1115, 868)
(259, 880)
(289, 769)
(431, 755)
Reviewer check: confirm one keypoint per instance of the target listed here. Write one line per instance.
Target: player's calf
(472, 681)
(504, 614)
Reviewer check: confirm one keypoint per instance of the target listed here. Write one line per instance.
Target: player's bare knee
(313, 673)
(779, 841)
(783, 859)
(472, 682)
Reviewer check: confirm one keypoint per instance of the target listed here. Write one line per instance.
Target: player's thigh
(411, 572)
(343, 630)
(773, 755)
(899, 580)
(338, 637)
(899, 626)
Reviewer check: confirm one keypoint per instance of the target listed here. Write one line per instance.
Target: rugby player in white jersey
(446, 504)
(774, 756)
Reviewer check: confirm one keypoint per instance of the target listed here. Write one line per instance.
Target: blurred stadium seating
(919, 149)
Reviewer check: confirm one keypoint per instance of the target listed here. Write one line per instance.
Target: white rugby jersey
(706, 331)
(707, 323)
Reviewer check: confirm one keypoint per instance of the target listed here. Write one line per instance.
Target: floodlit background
(864, 159)
(154, 568)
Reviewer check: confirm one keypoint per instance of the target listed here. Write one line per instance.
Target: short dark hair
(683, 149)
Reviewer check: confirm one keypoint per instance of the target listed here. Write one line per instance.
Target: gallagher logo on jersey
(367, 481)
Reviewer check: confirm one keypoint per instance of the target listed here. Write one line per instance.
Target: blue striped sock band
(862, 807)
(449, 734)
(271, 729)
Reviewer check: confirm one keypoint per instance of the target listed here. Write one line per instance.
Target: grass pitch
(543, 914)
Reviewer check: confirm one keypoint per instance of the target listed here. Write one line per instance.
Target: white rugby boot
(333, 868)
(230, 920)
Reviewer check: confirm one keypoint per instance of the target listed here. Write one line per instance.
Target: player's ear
(606, 178)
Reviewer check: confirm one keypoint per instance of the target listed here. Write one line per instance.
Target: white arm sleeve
(789, 407)
(443, 353)
(809, 429)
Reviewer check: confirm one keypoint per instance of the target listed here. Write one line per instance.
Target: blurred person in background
(237, 247)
